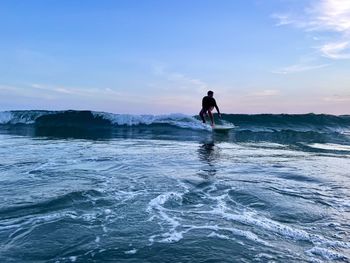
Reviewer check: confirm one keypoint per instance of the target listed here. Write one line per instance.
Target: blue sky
(155, 57)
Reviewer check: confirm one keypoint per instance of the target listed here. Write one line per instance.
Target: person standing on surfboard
(208, 104)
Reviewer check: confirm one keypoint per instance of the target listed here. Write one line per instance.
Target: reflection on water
(208, 154)
(167, 132)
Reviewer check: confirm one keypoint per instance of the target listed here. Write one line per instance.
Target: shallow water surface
(82, 186)
(210, 199)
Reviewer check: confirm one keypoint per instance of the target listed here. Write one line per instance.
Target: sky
(162, 56)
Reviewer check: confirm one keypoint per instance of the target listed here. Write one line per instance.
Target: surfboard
(222, 128)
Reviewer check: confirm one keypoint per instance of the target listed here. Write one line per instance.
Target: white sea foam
(251, 218)
(177, 230)
(161, 199)
(331, 146)
(325, 253)
(175, 119)
(24, 226)
(5, 117)
(246, 217)
(131, 252)
(73, 258)
(21, 117)
(234, 231)
(214, 234)
(28, 220)
(254, 219)
(156, 204)
(107, 211)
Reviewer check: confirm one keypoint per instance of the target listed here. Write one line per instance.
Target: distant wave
(91, 119)
(277, 128)
(297, 122)
(22, 117)
(257, 122)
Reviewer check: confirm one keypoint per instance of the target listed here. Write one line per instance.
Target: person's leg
(201, 114)
(211, 117)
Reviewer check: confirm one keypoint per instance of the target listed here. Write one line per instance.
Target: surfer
(208, 104)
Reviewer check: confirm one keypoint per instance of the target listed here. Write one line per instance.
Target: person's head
(210, 93)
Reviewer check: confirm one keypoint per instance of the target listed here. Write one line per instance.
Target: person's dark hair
(210, 92)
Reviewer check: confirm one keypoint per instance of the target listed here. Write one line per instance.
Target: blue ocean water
(81, 186)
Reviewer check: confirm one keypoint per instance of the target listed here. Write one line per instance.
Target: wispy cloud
(61, 92)
(179, 90)
(285, 19)
(54, 89)
(333, 15)
(337, 99)
(265, 93)
(107, 99)
(337, 50)
(324, 16)
(180, 80)
(299, 68)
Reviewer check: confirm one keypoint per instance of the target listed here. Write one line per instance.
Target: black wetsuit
(208, 103)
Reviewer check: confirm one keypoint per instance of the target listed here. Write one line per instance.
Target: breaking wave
(301, 122)
(279, 128)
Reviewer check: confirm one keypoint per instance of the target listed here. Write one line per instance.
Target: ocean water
(80, 186)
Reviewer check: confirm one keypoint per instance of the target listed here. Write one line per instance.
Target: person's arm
(217, 109)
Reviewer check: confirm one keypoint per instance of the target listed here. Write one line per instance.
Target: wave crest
(91, 119)
(255, 123)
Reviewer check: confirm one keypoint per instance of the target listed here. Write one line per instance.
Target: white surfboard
(222, 128)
